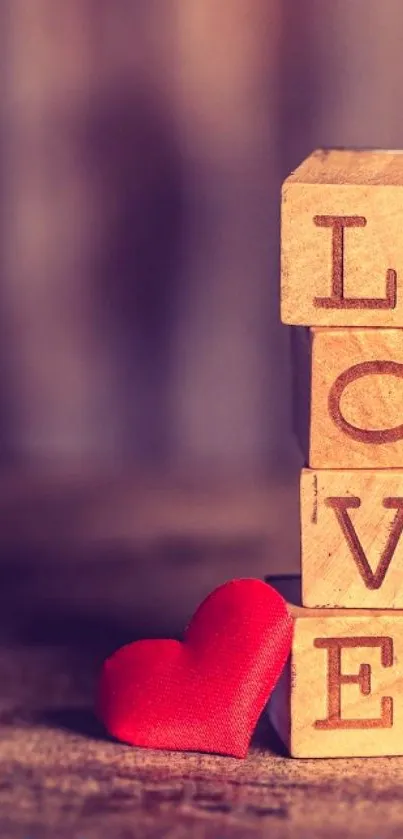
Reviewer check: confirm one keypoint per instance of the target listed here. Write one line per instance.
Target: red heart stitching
(207, 692)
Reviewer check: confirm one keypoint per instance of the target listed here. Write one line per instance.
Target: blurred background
(142, 147)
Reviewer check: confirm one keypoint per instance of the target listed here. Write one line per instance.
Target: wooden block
(301, 358)
(351, 538)
(341, 694)
(356, 397)
(342, 243)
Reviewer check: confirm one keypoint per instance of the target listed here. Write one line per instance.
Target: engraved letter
(340, 506)
(337, 299)
(365, 368)
(335, 679)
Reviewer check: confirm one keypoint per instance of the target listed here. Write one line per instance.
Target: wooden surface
(88, 565)
(356, 397)
(342, 254)
(351, 546)
(301, 362)
(351, 167)
(340, 695)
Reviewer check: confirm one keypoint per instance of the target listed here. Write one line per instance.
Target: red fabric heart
(207, 692)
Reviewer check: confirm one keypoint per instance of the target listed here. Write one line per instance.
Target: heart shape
(207, 692)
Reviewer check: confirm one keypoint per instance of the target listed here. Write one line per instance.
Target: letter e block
(341, 241)
(341, 693)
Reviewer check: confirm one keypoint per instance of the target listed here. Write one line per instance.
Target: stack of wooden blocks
(342, 278)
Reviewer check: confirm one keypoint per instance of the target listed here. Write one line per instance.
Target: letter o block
(356, 414)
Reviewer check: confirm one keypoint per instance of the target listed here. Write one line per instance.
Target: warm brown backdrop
(142, 147)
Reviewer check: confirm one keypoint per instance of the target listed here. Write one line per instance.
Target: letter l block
(341, 242)
(354, 418)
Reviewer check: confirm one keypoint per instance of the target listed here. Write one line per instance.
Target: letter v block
(341, 240)
(351, 538)
(355, 415)
(340, 694)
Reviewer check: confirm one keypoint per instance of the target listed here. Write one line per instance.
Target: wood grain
(301, 366)
(356, 397)
(351, 545)
(341, 693)
(59, 775)
(61, 778)
(342, 250)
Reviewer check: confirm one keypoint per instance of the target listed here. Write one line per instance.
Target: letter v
(340, 507)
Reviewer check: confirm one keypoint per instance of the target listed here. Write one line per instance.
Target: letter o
(363, 435)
